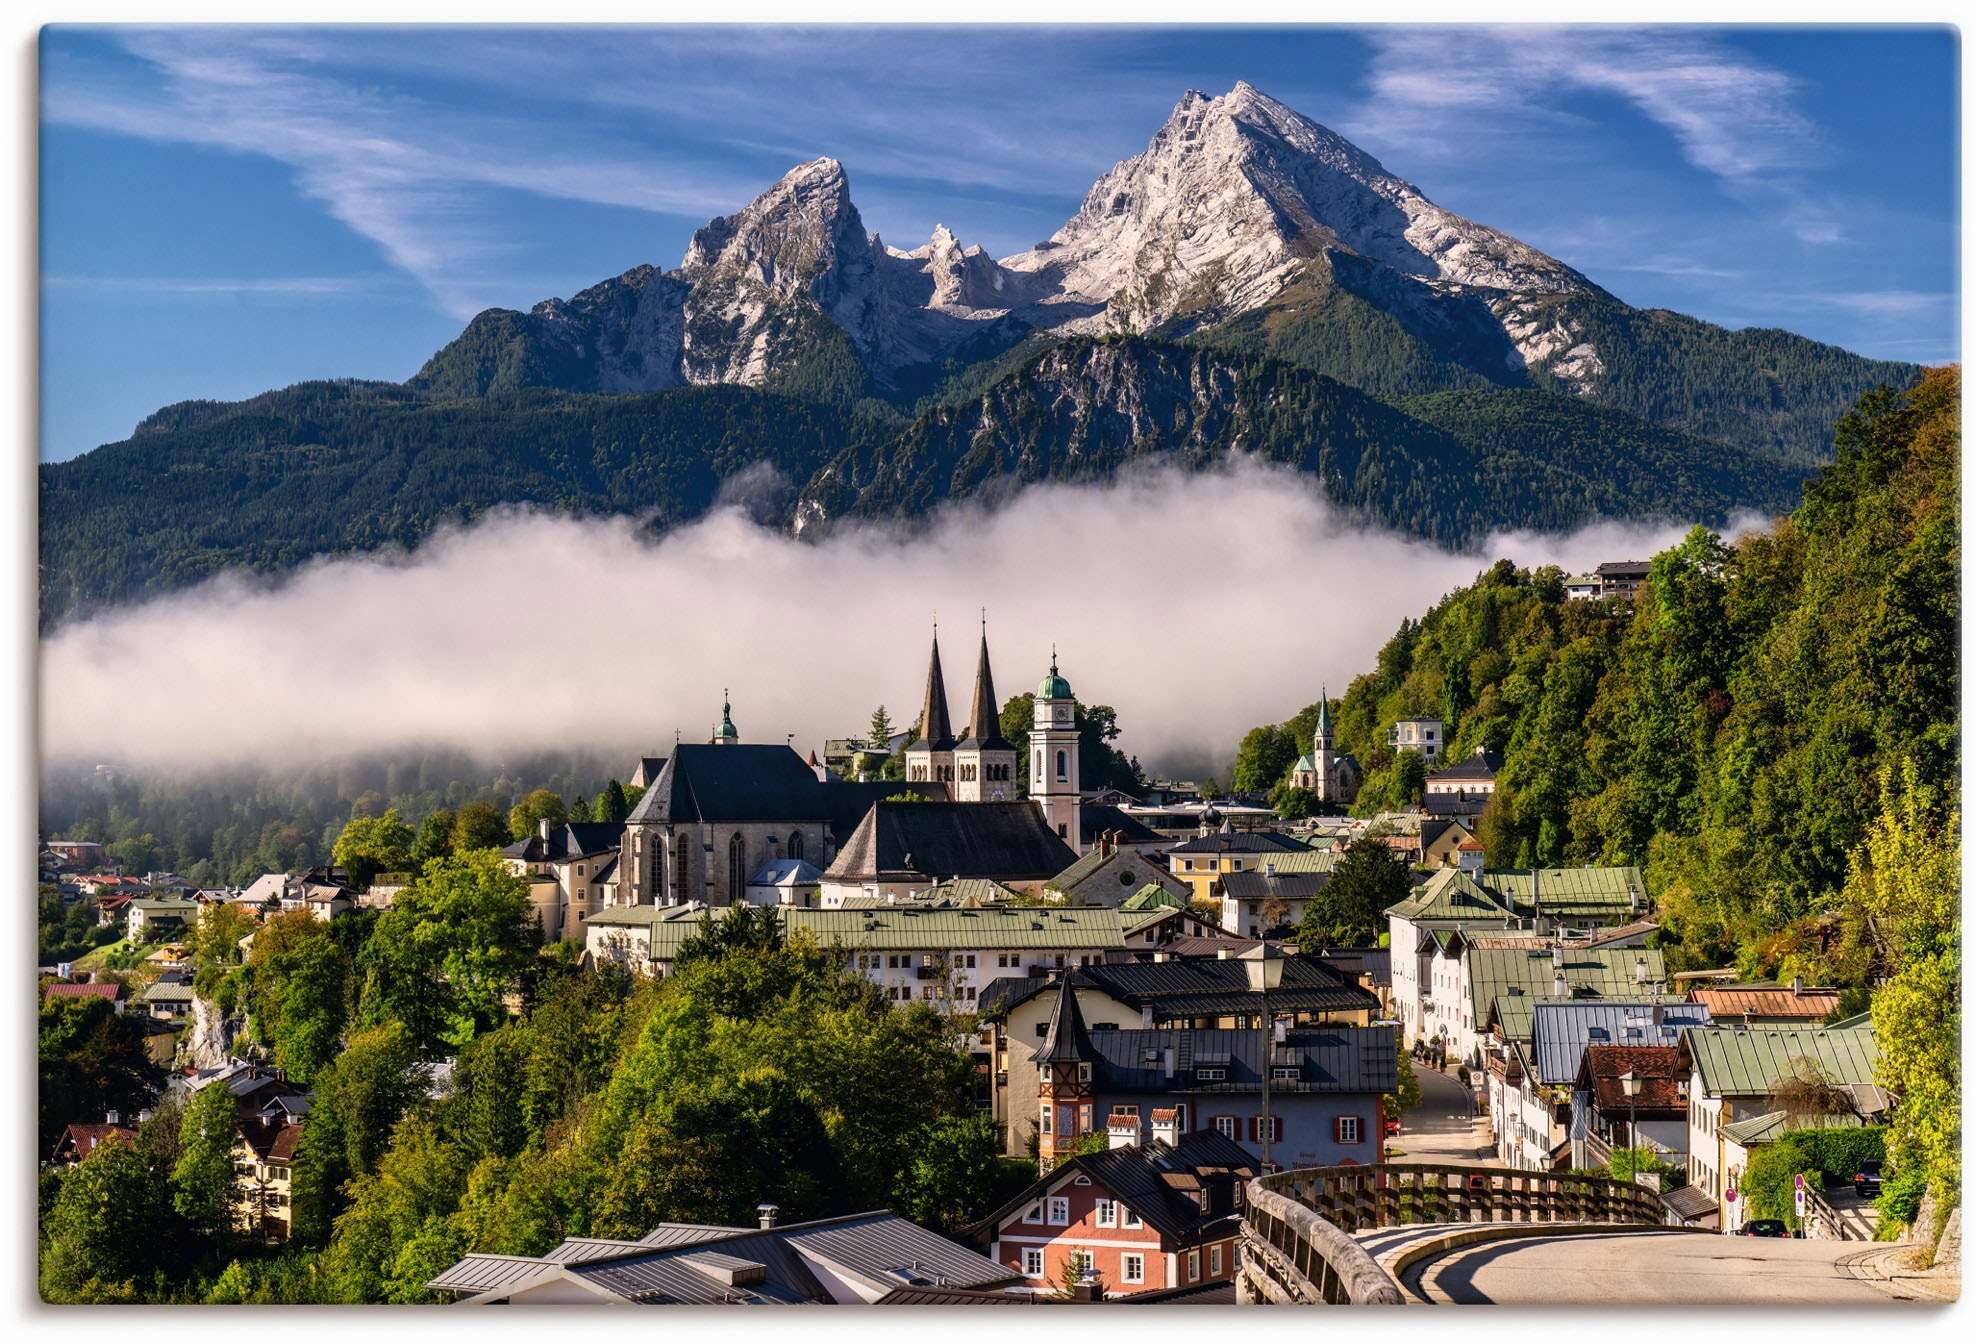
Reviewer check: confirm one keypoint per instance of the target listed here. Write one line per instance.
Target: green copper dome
(727, 731)
(1054, 686)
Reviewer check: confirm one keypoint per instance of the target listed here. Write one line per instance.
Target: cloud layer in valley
(1198, 606)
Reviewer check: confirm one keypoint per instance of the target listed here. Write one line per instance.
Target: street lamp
(1264, 966)
(1632, 1085)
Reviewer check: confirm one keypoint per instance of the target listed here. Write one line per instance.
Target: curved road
(1645, 1269)
(1444, 1130)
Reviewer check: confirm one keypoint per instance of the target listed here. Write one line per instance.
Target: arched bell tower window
(735, 868)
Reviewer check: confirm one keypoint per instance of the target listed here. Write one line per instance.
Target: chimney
(1560, 984)
(1534, 877)
(1643, 970)
(1271, 869)
(1168, 1062)
(1560, 957)
(1148, 1017)
(1163, 1125)
(1089, 1290)
(1797, 985)
(543, 828)
(766, 1215)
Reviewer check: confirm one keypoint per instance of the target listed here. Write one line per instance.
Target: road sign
(1800, 1182)
(1732, 1195)
(1801, 1202)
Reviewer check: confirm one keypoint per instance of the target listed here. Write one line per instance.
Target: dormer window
(1209, 1074)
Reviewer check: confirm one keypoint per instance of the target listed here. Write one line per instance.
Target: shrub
(1811, 1152)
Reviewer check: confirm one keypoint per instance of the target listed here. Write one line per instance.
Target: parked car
(1766, 1228)
(1870, 1179)
(1393, 1127)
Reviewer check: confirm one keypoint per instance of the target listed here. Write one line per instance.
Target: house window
(1034, 1262)
(1131, 1267)
(1085, 1115)
(1034, 1214)
(1126, 1110)
(1258, 1128)
(1209, 1074)
(1216, 1260)
(1285, 1073)
(969, 962)
(1057, 1212)
(1086, 1071)
(1196, 1265)
(1347, 1131)
(1045, 1120)
(1103, 1211)
(1226, 1126)
(1129, 1220)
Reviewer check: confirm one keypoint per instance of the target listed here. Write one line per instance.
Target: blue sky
(225, 210)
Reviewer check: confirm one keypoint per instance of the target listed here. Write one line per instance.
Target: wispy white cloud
(727, 603)
(1436, 90)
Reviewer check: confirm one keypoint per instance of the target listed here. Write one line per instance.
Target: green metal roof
(1151, 896)
(1759, 1131)
(1054, 685)
(1571, 891)
(1451, 894)
(1732, 1060)
(1611, 973)
(1295, 863)
(936, 929)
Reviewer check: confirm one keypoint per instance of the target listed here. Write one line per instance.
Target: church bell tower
(1055, 756)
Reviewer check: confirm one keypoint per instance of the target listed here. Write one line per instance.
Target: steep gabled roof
(1141, 1177)
(1735, 1060)
(1450, 895)
(1491, 970)
(740, 784)
(937, 841)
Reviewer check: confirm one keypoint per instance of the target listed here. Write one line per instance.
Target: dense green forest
(761, 1071)
(228, 827)
(1770, 730)
(334, 468)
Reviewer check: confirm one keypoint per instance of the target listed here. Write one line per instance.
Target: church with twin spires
(982, 766)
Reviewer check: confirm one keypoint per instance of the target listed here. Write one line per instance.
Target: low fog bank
(1198, 605)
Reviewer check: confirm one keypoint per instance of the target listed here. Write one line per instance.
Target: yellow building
(1217, 850)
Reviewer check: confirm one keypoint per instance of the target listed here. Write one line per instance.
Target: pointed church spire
(935, 732)
(984, 732)
(1065, 1032)
(1323, 727)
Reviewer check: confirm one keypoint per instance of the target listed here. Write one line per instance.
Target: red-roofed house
(79, 1139)
(110, 992)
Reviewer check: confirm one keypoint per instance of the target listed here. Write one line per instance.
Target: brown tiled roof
(109, 991)
(86, 1137)
(1730, 1004)
(1604, 1065)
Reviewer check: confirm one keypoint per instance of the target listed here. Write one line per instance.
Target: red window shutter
(1251, 1128)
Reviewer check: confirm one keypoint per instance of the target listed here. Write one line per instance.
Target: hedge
(1836, 1152)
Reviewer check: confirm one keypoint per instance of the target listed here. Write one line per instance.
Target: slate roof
(1094, 859)
(1187, 989)
(1481, 767)
(1689, 1204)
(1246, 841)
(984, 731)
(741, 784)
(1143, 1177)
(1065, 1031)
(1611, 973)
(1731, 1060)
(786, 871)
(1259, 885)
(1563, 1030)
(706, 1265)
(1002, 841)
(1512, 1013)
(1333, 1059)
(1454, 804)
(932, 732)
(1095, 819)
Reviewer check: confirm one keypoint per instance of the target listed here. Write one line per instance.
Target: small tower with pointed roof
(1066, 1062)
(931, 756)
(726, 734)
(986, 764)
(1055, 756)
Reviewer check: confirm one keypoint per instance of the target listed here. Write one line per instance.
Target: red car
(1392, 1127)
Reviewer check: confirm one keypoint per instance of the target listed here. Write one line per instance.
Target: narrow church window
(735, 868)
(680, 871)
(794, 850)
(1062, 766)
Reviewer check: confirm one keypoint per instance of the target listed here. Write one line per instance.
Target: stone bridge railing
(1297, 1246)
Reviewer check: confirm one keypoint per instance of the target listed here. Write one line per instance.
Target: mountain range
(1251, 282)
